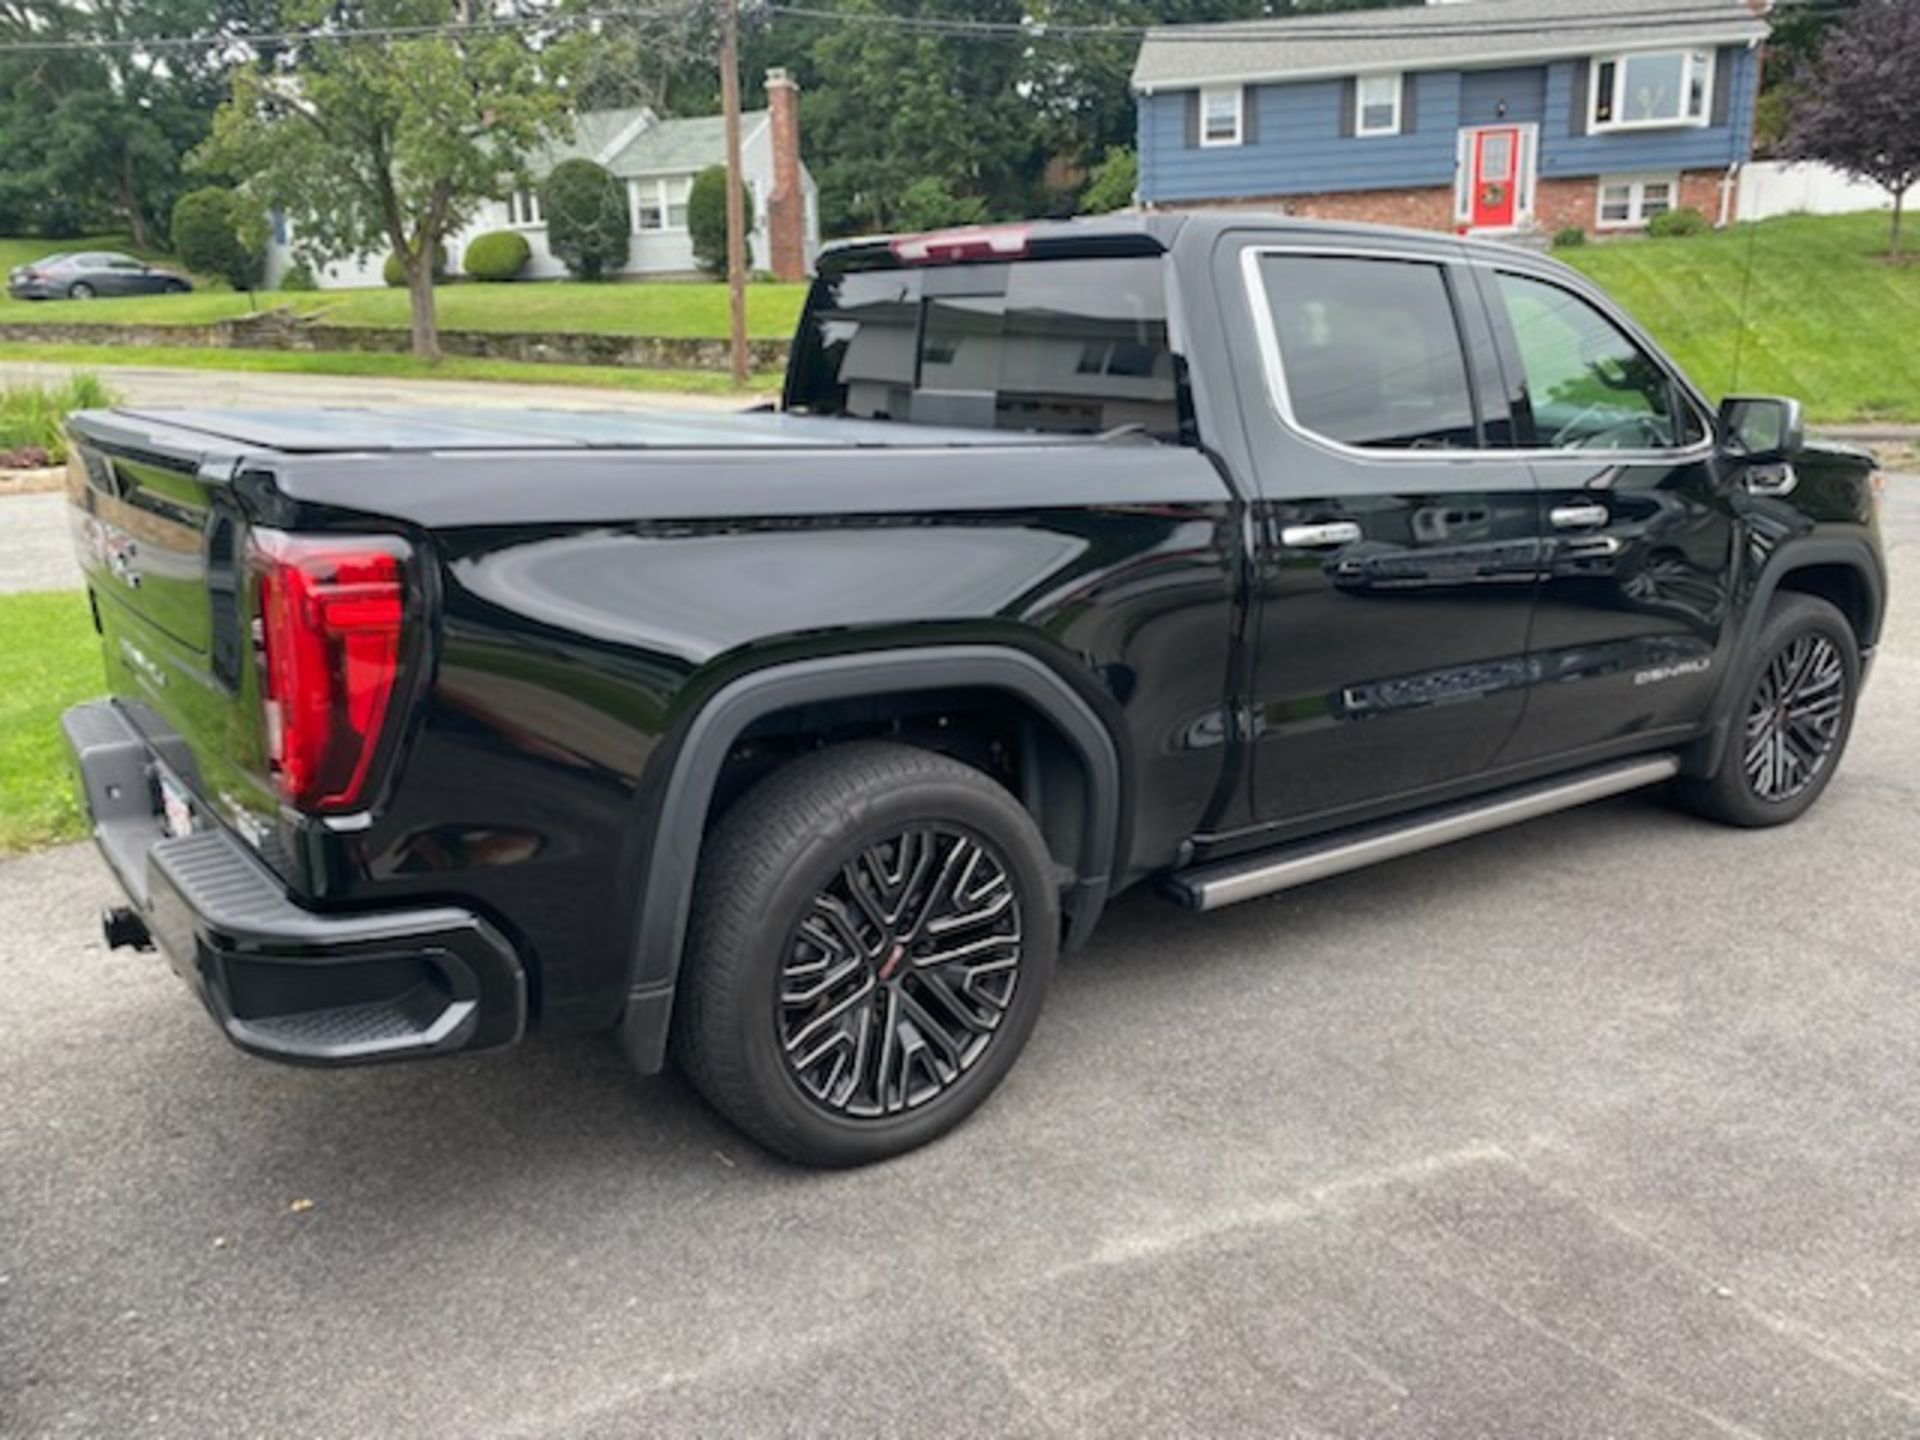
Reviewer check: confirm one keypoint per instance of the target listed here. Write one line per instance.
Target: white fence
(1777, 187)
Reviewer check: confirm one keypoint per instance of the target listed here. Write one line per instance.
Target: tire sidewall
(987, 815)
(1803, 615)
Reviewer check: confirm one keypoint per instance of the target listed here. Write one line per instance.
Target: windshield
(1074, 346)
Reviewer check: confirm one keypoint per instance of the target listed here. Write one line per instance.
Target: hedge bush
(1569, 238)
(588, 225)
(395, 274)
(206, 237)
(1670, 223)
(497, 255)
(707, 220)
(298, 276)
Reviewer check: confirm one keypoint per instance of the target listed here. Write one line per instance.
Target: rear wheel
(1792, 719)
(874, 929)
(80, 290)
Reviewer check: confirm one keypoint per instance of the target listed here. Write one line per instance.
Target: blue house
(1489, 115)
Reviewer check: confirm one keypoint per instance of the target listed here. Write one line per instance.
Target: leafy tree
(382, 141)
(1859, 99)
(927, 204)
(211, 235)
(589, 229)
(707, 218)
(1115, 182)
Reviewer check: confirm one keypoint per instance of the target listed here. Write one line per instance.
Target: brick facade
(787, 203)
(1557, 204)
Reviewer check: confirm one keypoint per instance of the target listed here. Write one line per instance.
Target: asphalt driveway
(1603, 1126)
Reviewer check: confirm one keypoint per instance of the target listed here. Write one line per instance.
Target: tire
(1805, 649)
(80, 290)
(902, 1050)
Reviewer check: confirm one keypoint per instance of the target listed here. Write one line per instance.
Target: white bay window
(1651, 89)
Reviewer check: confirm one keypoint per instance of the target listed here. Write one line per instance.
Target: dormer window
(1221, 120)
(1376, 104)
(1652, 89)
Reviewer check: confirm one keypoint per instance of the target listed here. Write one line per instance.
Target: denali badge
(1672, 672)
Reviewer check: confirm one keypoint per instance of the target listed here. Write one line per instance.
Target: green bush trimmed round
(497, 255)
(206, 236)
(298, 277)
(589, 228)
(1670, 223)
(395, 274)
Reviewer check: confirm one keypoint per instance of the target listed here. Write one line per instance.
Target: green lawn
(1827, 317)
(49, 660)
(404, 367)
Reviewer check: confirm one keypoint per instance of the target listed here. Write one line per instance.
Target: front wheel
(1792, 718)
(873, 932)
(80, 290)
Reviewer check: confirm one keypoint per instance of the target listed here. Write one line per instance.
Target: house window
(660, 204)
(1651, 89)
(1220, 117)
(1376, 105)
(1628, 200)
(523, 208)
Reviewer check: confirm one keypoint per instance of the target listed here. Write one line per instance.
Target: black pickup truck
(1220, 551)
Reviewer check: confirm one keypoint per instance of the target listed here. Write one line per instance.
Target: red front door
(1496, 164)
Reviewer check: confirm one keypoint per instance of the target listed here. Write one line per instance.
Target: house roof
(1431, 37)
(680, 146)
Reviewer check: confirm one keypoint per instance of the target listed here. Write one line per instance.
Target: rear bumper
(283, 981)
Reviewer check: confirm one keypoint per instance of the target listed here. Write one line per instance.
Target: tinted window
(1370, 351)
(1066, 345)
(1588, 385)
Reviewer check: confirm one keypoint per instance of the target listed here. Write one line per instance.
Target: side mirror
(1761, 427)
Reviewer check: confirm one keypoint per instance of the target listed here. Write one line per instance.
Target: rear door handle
(1323, 536)
(1578, 517)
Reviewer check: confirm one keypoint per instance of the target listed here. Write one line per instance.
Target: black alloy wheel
(1794, 718)
(874, 927)
(900, 972)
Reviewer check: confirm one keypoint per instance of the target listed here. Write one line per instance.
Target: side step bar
(1208, 887)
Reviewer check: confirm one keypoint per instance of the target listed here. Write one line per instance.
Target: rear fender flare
(680, 821)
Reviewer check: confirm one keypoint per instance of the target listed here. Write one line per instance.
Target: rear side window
(1369, 351)
(1077, 346)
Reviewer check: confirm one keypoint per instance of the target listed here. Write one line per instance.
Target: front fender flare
(680, 821)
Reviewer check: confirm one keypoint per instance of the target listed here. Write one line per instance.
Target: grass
(1827, 317)
(49, 660)
(403, 367)
(31, 416)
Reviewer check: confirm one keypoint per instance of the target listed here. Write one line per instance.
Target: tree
(210, 235)
(1859, 98)
(927, 204)
(391, 141)
(1115, 182)
(588, 227)
(707, 218)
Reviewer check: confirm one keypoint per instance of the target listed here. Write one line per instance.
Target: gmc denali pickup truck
(1219, 551)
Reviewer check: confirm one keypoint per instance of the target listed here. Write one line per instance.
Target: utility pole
(736, 210)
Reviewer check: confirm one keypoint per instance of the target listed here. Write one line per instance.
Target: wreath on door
(1493, 194)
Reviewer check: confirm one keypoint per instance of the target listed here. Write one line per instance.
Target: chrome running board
(1225, 882)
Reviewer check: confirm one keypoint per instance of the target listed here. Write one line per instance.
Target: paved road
(1603, 1126)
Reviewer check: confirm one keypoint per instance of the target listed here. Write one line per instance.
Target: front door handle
(1323, 536)
(1771, 479)
(1578, 517)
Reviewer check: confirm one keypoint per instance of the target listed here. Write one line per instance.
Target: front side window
(1220, 115)
(1377, 105)
(1074, 345)
(661, 203)
(1369, 351)
(1588, 385)
(1627, 200)
(1652, 88)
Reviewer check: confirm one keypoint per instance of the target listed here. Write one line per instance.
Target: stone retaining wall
(280, 330)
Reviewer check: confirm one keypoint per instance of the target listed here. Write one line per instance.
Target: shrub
(588, 225)
(1569, 238)
(207, 226)
(707, 220)
(497, 255)
(298, 276)
(927, 204)
(395, 274)
(32, 428)
(1114, 181)
(1670, 223)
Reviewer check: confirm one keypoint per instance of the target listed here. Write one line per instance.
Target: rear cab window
(1068, 345)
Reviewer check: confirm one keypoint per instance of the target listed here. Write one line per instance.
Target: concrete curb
(37, 481)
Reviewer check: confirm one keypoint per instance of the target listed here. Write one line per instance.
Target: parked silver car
(85, 274)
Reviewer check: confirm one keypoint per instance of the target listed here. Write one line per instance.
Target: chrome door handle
(1320, 537)
(1771, 479)
(1578, 517)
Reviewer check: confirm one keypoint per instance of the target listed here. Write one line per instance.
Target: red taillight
(332, 611)
(969, 242)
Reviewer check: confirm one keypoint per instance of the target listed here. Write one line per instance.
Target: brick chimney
(787, 205)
